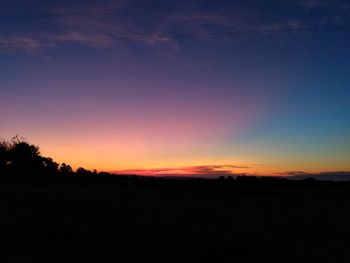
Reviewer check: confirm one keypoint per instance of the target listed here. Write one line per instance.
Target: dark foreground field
(144, 220)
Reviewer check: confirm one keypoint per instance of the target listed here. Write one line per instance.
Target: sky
(201, 88)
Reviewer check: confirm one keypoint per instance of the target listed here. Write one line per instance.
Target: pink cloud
(25, 43)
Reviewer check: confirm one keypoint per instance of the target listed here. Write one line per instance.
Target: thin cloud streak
(323, 176)
(203, 171)
(101, 32)
(312, 4)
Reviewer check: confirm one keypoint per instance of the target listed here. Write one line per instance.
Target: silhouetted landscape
(175, 131)
(51, 214)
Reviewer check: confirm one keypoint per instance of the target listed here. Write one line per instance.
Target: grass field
(174, 221)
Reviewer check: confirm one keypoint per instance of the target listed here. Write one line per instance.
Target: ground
(174, 221)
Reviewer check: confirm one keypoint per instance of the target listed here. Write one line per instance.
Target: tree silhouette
(25, 157)
(83, 172)
(3, 156)
(50, 166)
(18, 157)
(65, 170)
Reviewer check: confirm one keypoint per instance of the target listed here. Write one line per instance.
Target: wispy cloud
(329, 175)
(88, 29)
(322, 4)
(310, 4)
(26, 43)
(151, 28)
(204, 171)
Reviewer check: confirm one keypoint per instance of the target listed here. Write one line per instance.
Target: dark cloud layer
(200, 171)
(323, 176)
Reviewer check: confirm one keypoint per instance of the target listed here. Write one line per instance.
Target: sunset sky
(179, 87)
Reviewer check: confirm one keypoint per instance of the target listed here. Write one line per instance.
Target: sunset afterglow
(93, 93)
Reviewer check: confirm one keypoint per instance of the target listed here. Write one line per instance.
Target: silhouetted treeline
(23, 162)
(21, 159)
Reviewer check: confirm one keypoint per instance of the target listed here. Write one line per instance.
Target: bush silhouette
(18, 157)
